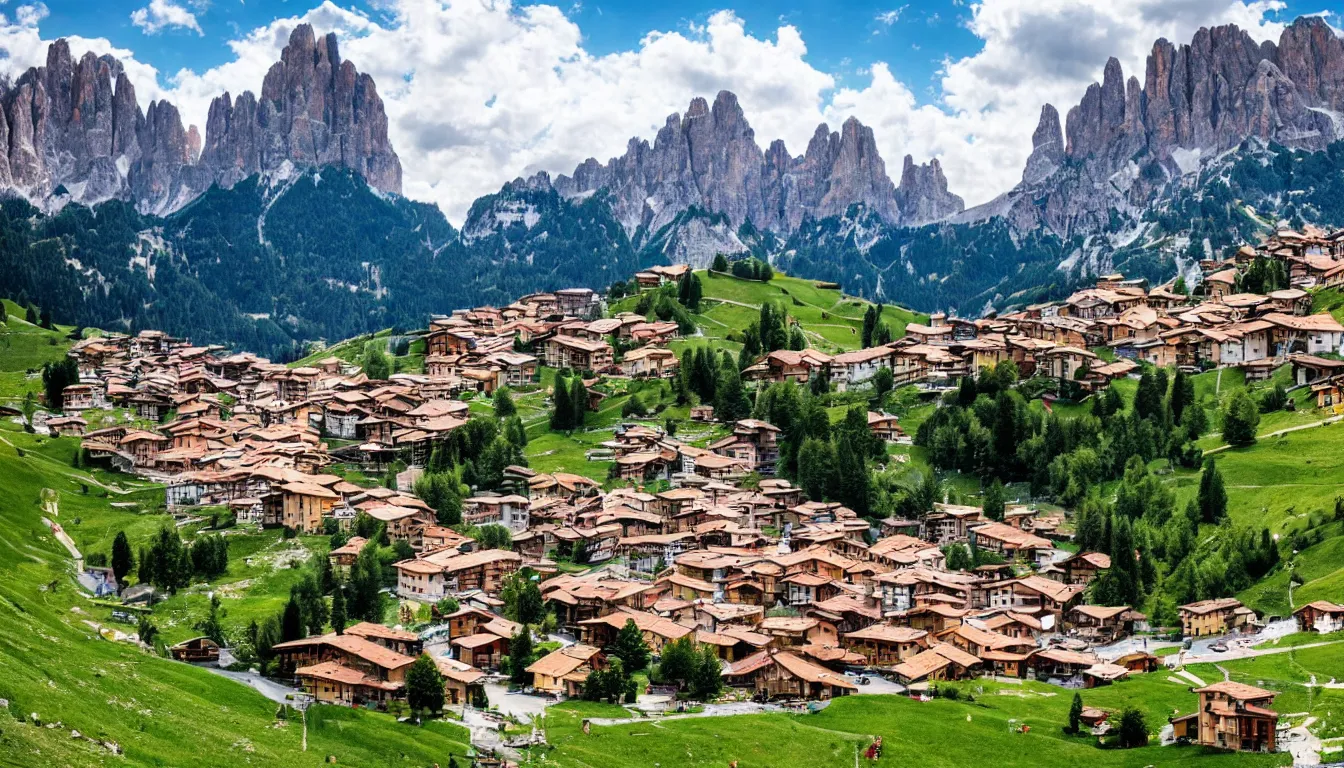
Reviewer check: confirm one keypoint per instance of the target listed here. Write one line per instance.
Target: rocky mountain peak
(708, 157)
(77, 123)
(922, 195)
(1047, 146)
(1125, 139)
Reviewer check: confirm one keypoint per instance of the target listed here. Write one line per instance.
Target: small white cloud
(888, 18)
(164, 14)
(30, 15)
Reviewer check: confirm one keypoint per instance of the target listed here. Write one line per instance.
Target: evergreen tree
(515, 432)
(816, 468)
(269, 634)
(1148, 399)
(1212, 497)
(578, 400)
(503, 402)
(123, 562)
(291, 623)
(678, 661)
(338, 617)
(424, 686)
(1182, 395)
(730, 399)
(689, 290)
(1240, 420)
(882, 383)
(852, 477)
(1133, 728)
(562, 412)
(869, 326)
(707, 678)
(720, 263)
(630, 648)
(521, 656)
(1076, 713)
(994, 501)
(364, 601)
(55, 378)
(376, 364)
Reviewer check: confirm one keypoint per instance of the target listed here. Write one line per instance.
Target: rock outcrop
(1125, 140)
(315, 110)
(922, 196)
(78, 125)
(708, 158)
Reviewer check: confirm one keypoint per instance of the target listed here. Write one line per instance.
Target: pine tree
(630, 648)
(1240, 420)
(1076, 713)
(562, 412)
(852, 477)
(730, 400)
(521, 656)
(720, 263)
(578, 401)
(291, 624)
(338, 617)
(1212, 497)
(994, 501)
(504, 405)
(816, 468)
(123, 561)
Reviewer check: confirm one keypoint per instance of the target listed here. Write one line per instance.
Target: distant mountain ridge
(1125, 142)
(708, 158)
(77, 125)
(273, 229)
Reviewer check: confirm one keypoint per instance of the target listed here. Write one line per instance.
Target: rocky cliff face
(922, 196)
(314, 110)
(708, 158)
(78, 124)
(1126, 140)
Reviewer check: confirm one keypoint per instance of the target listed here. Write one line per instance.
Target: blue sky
(479, 92)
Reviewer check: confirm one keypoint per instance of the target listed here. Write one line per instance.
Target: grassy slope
(831, 320)
(25, 348)
(160, 712)
(935, 733)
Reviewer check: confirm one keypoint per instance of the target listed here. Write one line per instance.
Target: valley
(708, 453)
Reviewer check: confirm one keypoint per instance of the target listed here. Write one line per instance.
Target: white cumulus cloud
(164, 14)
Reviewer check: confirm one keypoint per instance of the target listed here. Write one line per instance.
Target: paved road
(268, 688)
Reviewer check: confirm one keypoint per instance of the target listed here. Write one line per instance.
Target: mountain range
(1148, 177)
(77, 127)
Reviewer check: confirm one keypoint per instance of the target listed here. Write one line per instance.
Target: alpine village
(739, 486)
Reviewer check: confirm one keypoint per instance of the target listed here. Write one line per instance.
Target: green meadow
(932, 733)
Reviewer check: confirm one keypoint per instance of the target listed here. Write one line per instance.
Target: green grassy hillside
(25, 348)
(934, 733)
(831, 319)
(56, 665)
